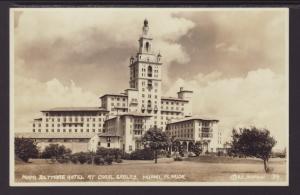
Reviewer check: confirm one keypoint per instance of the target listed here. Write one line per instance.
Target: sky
(235, 60)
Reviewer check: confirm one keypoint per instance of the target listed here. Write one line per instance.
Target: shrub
(168, 155)
(177, 158)
(89, 159)
(163, 153)
(25, 148)
(56, 151)
(82, 158)
(119, 160)
(191, 154)
(126, 156)
(63, 160)
(74, 159)
(113, 152)
(108, 160)
(103, 151)
(98, 160)
(144, 154)
(197, 149)
(181, 150)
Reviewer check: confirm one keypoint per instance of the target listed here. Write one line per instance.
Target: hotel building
(122, 119)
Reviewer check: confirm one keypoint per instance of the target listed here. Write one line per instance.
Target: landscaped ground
(196, 169)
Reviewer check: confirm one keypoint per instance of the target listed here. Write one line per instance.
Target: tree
(197, 148)
(155, 139)
(26, 148)
(253, 142)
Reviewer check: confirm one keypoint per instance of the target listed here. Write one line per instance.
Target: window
(108, 145)
(147, 46)
(130, 147)
(149, 71)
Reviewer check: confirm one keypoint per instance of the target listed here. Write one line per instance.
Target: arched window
(147, 46)
(149, 71)
(149, 103)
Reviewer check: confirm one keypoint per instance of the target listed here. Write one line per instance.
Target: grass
(200, 169)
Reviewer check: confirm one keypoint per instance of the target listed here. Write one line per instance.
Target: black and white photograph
(149, 96)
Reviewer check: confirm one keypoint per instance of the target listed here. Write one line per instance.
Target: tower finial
(146, 22)
(145, 27)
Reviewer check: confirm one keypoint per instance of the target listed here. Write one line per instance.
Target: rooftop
(54, 135)
(131, 114)
(173, 98)
(194, 118)
(114, 94)
(135, 114)
(108, 134)
(69, 109)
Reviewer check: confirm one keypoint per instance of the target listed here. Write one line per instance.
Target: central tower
(145, 76)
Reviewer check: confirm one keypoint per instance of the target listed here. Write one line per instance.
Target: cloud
(260, 98)
(32, 96)
(234, 42)
(93, 40)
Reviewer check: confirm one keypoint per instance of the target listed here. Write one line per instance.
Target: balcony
(137, 132)
(206, 135)
(149, 107)
(133, 101)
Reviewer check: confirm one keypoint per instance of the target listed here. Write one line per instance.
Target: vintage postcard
(149, 97)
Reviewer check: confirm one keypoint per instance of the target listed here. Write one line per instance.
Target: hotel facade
(122, 119)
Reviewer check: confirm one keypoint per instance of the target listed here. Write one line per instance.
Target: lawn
(196, 169)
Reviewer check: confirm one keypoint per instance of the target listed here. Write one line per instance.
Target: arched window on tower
(149, 71)
(149, 104)
(147, 46)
